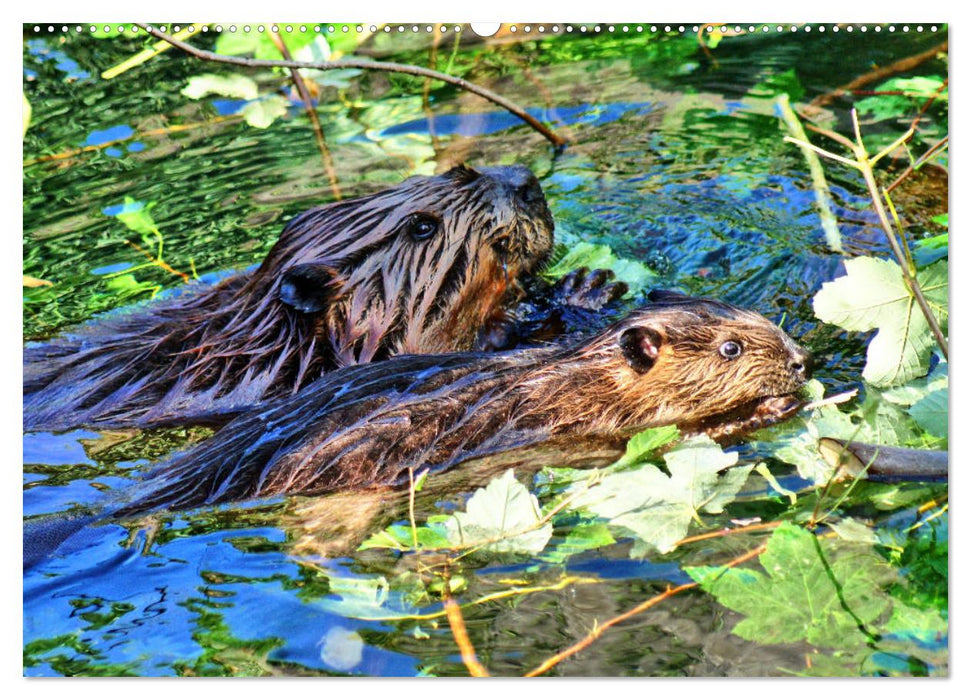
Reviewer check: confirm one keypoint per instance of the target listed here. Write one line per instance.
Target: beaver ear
(641, 346)
(307, 287)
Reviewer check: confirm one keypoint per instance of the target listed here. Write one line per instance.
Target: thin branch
(904, 64)
(928, 154)
(155, 261)
(457, 624)
(308, 106)
(382, 66)
(597, 631)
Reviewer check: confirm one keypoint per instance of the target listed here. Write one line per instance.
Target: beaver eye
(730, 350)
(421, 226)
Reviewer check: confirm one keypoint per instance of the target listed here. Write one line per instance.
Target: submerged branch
(382, 66)
(824, 200)
(457, 624)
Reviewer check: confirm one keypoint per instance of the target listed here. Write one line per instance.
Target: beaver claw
(588, 289)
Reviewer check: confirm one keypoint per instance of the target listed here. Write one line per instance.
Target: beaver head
(701, 364)
(416, 268)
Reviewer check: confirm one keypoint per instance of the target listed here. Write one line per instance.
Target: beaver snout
(520, 182)
(801, 365)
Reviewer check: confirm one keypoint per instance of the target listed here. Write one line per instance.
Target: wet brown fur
(367, 425)
(213, 351)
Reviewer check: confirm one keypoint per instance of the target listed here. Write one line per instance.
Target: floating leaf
(930, 412)
(401, 538)
(580, 538)
(800, 597)
(236, 86)
(505, 514)
(262, 113)
(137, 217)
(873, 295)
(372, 597)
(656, 508)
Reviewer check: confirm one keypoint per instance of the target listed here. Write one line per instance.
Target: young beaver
(417, 268)
(701, 364)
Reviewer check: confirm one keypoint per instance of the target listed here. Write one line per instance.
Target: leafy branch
(383, 66)
(864, 163)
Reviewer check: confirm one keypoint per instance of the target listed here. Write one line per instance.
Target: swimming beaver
(418, 268)
(701, 364)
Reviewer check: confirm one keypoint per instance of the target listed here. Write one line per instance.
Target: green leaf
(797, 599)
(646, 442)
(236, 86)
(873, 295)
(854, 531)
(399, 538)
(127, 286)
(262, 113)
(930, 412)
(930, 250)
(635, 274)
(505, 514)
(137, 217)
(580, 538)
(656, 508)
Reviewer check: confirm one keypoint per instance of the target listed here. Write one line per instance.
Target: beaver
(426, 266)
(704, 365)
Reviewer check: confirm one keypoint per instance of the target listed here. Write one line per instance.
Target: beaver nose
(521, 182)
(801, 365)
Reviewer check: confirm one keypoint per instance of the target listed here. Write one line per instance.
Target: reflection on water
(673, 162)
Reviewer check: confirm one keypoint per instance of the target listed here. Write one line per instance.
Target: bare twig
(928, 154)
(308, 105)
(457, 624)
(382, 66)
(156, 261)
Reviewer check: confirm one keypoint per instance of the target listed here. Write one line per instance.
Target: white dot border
(531, 29)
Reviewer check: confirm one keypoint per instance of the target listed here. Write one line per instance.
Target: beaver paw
(588, 289)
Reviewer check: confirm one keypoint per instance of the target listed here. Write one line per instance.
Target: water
(672, 161)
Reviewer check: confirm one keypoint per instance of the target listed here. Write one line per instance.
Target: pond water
(674, 160)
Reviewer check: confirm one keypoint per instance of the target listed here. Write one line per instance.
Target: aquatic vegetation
(676, 175)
